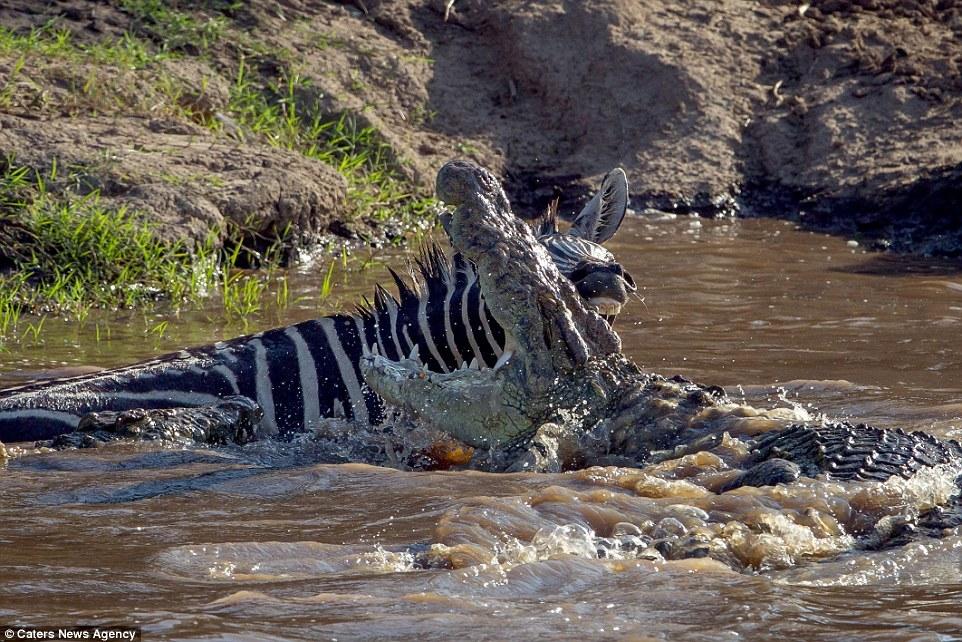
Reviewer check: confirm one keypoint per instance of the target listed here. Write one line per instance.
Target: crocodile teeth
(414, 353)
(474, 365)
(375, 350)
(503, 359)
(338, 409)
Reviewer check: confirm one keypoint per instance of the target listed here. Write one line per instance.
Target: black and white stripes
(297, 374)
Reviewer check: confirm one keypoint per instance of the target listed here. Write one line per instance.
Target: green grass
(174, 30)
(127, 51)
(242, 293)
(65, 250)
(276, 111)
(65, 254)
(7, 91)
(328, 284)
(11, 303)
(93, 85)
(49, 57)
(77, 252)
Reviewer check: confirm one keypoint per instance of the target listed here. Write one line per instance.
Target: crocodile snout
(457, 181)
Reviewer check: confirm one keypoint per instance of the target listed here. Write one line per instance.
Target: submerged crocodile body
(233, 420)
(845, 452)
(839, 451)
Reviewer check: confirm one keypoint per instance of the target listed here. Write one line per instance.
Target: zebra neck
(443, 319)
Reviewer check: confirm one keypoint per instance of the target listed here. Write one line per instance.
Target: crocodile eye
(629, 281)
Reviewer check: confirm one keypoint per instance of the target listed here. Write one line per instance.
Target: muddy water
(264, 543)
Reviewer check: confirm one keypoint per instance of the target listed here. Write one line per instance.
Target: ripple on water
(664, 514)
(279, 561)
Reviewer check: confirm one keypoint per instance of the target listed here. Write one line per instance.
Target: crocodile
(566, 396)
(562, 364)
(841, 451)
(233, 420)
(563, 396)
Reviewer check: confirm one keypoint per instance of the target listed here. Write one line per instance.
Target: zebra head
(579, 254)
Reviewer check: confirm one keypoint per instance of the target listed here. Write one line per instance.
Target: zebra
(302, 373)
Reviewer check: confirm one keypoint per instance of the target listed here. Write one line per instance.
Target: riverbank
(297, 125)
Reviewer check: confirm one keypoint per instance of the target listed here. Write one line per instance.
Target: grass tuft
(276, 112)
(174, 30)
(127, 51)
(65, 254)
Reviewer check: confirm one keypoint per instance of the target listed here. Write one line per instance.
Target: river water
(264, 543)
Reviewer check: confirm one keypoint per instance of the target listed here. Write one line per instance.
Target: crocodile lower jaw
(469, 404)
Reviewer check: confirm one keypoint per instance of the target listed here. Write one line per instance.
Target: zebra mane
(430, 273)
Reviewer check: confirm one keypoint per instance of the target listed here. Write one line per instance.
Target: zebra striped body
(308, 371)
(298, 374)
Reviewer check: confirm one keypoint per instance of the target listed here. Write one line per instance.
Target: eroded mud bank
(840, 114)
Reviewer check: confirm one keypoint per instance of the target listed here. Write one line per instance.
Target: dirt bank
(841, 114)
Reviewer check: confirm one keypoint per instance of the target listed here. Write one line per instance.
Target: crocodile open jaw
(551, 332)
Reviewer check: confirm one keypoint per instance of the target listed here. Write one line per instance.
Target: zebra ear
(602, 216)
(549, 220)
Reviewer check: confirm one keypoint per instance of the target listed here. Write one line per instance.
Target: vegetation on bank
(269, 108)
(64, 250)
(274, 111)
(67, 253)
